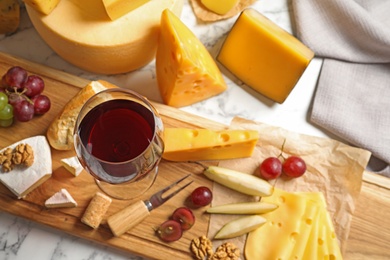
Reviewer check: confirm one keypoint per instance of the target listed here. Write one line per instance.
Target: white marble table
(21, 239)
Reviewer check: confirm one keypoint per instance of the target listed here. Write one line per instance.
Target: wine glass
(118, 140)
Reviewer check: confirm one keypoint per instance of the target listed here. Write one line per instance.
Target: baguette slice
(60, 131)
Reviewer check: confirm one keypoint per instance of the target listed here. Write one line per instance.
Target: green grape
(6, 122)
(3, 100)
(7, 112)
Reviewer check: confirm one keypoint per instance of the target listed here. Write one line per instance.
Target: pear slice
(239, 181)
(240, 226)
(255, 207)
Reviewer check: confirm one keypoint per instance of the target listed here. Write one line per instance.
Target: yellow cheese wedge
(290, 225)
(184, 144)
(21, 181)
(219, 6)
(9, 16)
(118, 8)
(42, 6)
(264, 56)
(82, 33)
(186, 72)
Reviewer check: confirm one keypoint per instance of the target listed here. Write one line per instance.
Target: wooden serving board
(370, 230)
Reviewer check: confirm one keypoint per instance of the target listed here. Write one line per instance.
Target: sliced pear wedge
(239, 181)
(255, 207)
(240, 226)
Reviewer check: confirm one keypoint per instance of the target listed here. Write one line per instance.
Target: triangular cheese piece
(61, 199)
(73, 165)
(186, 72)
(21, 180)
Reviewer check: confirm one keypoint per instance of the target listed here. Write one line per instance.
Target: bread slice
(60, 131)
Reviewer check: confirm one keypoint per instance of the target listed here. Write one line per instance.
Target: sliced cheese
(82, 33)
(61, 199)
(218, 6)
(118, 8)
(9, 16)
(72, 164)
(264, 56)
(186, 72)
(290, 225)
(21, 181)
(184, 144)
(43, 6)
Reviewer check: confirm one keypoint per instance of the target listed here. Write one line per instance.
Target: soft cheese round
(82, 33)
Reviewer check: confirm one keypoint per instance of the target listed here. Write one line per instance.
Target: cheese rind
(186, 72)
(184, 144)
(264, 56)
(21, 181)
(43, 6)
(118, 8)
(9, 16)
(61, 199)
(82, 34)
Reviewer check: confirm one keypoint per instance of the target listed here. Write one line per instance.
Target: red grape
(15, 77)
(34, 85)
(270, 168)
(201, 196)
(185, 217)
(294, 166)
(169, 231)
(41, 104)
(15, 98)
(24, 111)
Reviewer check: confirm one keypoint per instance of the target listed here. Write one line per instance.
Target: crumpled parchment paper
(333, 168)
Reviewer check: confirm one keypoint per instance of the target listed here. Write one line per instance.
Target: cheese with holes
(22, 180)
(82, 33)
(118, 8)
(61, 199)
(184, 144)
(9, 16)
(186, 72)
(42, 6)
(73, 165)
(301, 225)
(264, 56)
(218, 6)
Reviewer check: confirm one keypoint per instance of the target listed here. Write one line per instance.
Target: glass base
(129, 190)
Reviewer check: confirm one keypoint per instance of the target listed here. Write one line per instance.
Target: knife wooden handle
(127, 218)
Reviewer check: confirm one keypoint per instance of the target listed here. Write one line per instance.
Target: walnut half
(226, 251)
(23, 154)
(201, 247)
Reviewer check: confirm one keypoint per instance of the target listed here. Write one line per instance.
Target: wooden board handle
(127, 218)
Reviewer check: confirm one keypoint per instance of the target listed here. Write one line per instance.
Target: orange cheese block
(186, 72)
(264, 56)
(82, 33)
(43, 6)
(118, 8)
(183, 144)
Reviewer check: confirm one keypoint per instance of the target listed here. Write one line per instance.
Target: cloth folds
(352, 99)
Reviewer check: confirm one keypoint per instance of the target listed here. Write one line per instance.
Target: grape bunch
(272, 167)
(21, 96)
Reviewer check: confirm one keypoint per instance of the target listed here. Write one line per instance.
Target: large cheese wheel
(82, 33)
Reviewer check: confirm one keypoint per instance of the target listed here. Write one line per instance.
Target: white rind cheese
(61, 199)
(21, 180)
(73, 165)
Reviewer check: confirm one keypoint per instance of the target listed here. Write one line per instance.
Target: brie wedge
(61, 199)
(21, 180)
(73, 165)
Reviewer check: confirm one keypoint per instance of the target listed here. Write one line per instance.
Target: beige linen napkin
(352, 99)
